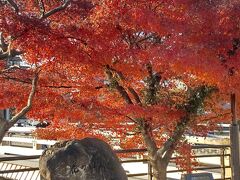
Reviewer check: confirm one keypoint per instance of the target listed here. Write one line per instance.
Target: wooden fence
(218, 151)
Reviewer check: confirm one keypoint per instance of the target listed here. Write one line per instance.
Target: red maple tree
(144, 71)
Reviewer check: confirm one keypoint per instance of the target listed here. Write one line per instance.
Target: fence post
(223, 173)
(228, 171)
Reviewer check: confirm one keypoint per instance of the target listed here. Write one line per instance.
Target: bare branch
(27, 108)
(57, 9)
(14, 5)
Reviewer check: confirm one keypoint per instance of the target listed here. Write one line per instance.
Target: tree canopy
(148, 68)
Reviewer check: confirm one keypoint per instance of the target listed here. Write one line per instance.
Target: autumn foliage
(142, 71)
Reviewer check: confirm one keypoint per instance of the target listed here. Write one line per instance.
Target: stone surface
(86, 159)
(3, 178)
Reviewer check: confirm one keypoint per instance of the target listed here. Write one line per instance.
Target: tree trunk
(4, 127)
(159, 163)
(159, 169)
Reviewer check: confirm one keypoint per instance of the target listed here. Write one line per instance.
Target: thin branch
(9, 69)
(57, 9)
(14, 5)
(217, 116)
(59, 87)
(27, 81)
(27, 108)
(144, 39)
(133, 120)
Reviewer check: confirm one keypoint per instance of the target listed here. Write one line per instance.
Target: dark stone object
(197, 176)
(86, 159)
(3, 178)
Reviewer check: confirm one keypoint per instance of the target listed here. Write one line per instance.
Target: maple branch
(42, 7)
(5, 49)
(191, 108)
(130, 89)
(9, 69)
(14, 5)
(113, 82)
(152, 81)
(135, 95)
(25, 109)
(149, 141)
(124, 94)
(167, 149)
(57, 9)
(3, 45)
(9, 54)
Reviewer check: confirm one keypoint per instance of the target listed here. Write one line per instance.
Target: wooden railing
(224, 166)
(22, 136)
(222, 153)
